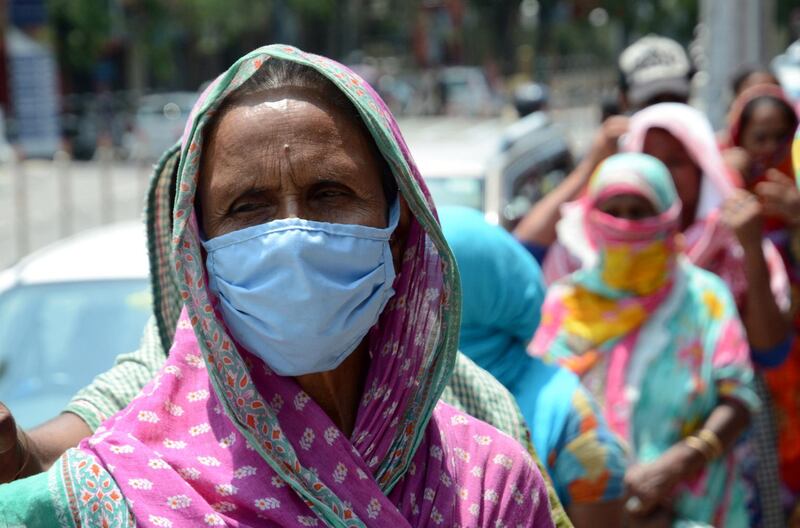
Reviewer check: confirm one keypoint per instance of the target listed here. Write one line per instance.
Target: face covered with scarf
(682, 139)
(316, 285)
(630, 217)
(655, 339)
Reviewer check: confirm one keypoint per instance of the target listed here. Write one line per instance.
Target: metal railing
(42, 201)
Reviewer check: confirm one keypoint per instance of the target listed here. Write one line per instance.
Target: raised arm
(767, 327)
(539, 225)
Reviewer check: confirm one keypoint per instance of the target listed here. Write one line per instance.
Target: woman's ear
(400, 235)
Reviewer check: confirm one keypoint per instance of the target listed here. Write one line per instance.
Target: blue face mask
(302, 295)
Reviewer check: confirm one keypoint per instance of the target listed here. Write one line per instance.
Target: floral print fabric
(182, 470)
(659, 378)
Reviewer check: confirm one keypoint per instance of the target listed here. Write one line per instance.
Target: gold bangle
(698, 445)
(710, 437)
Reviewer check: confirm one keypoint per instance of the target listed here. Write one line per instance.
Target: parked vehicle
(453, 155)
(158, 123)
(488, 165)
(66, 312)
(535, 157)
(465, 91)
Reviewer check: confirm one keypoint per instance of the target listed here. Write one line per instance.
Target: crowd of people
(329, 349)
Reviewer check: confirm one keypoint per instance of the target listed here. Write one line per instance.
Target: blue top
(502, 293)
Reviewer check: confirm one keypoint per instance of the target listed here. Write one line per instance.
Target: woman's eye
(245, 208)
(329, 193)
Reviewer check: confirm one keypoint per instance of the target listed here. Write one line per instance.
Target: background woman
(658, 342)
(503, 291)
(762, 124)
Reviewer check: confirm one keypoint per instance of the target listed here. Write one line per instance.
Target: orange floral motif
(581, 364)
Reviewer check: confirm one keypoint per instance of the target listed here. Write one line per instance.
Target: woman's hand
(738, 159)
(15, 458)
(652, 485)
(606, 141)
(780, 197)
(743, 214)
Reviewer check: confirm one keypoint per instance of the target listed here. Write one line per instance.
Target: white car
(66, 312)
(158, 123)
(465, 91)
(455, 156)
(488, 165)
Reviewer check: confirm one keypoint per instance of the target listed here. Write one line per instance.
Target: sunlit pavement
(62, 200)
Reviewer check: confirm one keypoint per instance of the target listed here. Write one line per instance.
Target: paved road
(43, 201)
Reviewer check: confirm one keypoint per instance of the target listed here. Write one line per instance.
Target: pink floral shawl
(218, 439)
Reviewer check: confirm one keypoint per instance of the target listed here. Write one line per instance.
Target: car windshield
(457, 191)
(57, 337)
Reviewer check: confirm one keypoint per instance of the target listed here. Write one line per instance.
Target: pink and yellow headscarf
(626, 265)
(706, 242)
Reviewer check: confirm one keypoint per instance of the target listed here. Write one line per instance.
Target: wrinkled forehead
(220, 91)
(344, 90)
(372, 111)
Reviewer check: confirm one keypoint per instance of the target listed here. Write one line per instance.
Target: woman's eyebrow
(253, 192)
(240, 186)
(334, 173)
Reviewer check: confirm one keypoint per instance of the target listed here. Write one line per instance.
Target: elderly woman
(659, 344)
(319, 328)
(503, 291)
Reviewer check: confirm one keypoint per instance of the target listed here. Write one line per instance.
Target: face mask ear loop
(394, 215)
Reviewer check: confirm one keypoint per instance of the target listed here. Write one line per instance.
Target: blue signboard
(34, 95)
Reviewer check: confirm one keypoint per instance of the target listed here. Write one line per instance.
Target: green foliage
(85, 28)
(313, 8)
(87, 24)
(217, 24)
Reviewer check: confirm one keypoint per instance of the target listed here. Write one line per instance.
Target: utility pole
(731, 33)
